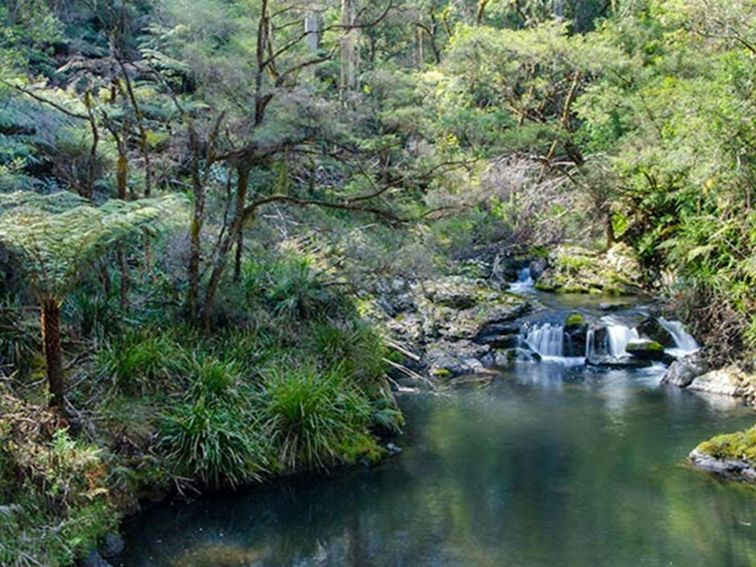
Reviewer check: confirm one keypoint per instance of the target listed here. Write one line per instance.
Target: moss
(575, 320)
(740, 445)
(441, 373)
(645, 346)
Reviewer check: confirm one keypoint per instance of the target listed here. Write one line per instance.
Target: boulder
(736, 469)
(724, 382)
(684, 370)
(651, 329)
(112, 545)
(646, 350)
(505, 357)
(571, 269)
(575, 335)
(732, 455)
(537, 267)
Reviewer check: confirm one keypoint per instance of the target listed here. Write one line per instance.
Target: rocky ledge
(456, 325)
(731, 456)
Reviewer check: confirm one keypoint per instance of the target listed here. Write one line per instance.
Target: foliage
(55, 234)
(315, 419)
(211, 435)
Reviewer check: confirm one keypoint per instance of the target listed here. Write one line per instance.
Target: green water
(548, 466)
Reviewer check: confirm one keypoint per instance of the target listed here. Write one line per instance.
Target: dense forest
(213, 213)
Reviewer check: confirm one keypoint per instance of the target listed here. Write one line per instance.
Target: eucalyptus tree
(53, 237)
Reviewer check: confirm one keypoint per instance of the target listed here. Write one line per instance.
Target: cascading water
(546, 339)
(684, 341)
(618, 336)
(524, 281)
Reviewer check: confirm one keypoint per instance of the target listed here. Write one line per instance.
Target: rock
(94, 559)
(112, 545)
(449, 359)
(646, 350)
(575, 320)
(575, 335)
(651, 329)
(684, 370)
(724, 382)
(736, 469)
(622, 363)
(611, 307)
(571, 269)
(505, 357)
(537, 267)
(393, 449)
(732, 455)
(476, 380)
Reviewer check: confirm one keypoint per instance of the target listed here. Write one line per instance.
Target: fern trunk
(50, 322)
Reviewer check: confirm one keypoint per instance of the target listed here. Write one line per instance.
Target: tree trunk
(221, 256)
(50, 323)
(610, 237)
(312, 29)
(348, 79)
(239, 253)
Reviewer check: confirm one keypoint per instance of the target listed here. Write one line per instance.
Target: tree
(53, 237)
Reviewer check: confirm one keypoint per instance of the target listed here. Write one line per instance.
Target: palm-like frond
(54, 234)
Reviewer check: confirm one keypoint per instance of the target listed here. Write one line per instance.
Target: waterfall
(590, 338)
(684, 341)
(524, 281)
(546, 339)
(618, 336)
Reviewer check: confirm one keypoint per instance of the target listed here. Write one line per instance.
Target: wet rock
(500, 341)
(651, 329)
(537, 267)
(612, 307)
(621, 363)
(505, 357)
(646, 350)
(575, 335)
(112, 545)
(684, 370)
(94, 559)
(736, 469)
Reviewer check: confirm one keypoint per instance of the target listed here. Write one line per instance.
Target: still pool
(548, 466)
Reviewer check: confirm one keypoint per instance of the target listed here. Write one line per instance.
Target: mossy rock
(740, 445)
(575, 320)
(646, 350)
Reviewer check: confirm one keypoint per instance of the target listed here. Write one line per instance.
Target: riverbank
(291, 380)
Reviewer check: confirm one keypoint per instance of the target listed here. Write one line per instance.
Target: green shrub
(355, 347)
(314, 419)
(60, 499)
(289, 287)
(143, 361)
(211, 435)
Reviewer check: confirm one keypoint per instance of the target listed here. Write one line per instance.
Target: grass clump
(143, 361)
(316, 419)
(211, 434)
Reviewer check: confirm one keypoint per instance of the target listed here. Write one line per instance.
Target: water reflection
(548, 466)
